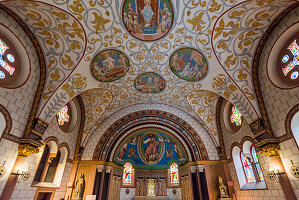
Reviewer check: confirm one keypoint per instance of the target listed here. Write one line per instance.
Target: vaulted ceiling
(72, 32)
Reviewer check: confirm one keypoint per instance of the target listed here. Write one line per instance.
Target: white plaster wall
(90, 147)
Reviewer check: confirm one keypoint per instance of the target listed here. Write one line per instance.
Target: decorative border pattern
(78, 154)
(6, 133)
(221, 149)
(186, 131)
(289, 133)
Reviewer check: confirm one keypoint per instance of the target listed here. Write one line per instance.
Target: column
(46, 166)
(99, 196)
(283, 179)
(199, 186)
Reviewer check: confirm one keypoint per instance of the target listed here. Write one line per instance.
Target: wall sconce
(23, 175)
(294, 170)
(272, 175)
(2, 170)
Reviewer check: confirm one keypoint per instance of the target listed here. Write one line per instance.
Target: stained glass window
(294, 48)
(236, 116)
(63, 115)
(257, 164)
(174, 173)
(248, 169)
(128, 173)
(3, 63)
(2, 75)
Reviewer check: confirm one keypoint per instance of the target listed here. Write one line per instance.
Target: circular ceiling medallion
(148, 20)
(150, 82)
(188, 64)
(110, 65)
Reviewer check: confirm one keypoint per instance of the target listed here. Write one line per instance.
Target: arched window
(174, 174)
(63, 115)
(247, 167)
(257, 165)
(128, 174)
(51, 166)
(295, 127)
(236, 116)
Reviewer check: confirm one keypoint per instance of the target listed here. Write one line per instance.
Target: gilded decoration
(271, 150)
(150, 148)
(150, 82)
(188, 64)
(25, 150)
(148, 20)
(194, 141)
(110, 65)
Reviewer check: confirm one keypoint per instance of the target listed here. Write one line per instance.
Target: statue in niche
(222, 188)
(80, 187)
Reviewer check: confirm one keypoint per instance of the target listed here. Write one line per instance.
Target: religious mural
(148, 20)
(188, 64)
(150, 82)
(150, 148)
(110, 65)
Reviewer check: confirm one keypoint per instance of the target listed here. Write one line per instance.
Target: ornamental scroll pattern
(96, 102)
(237, 34)
(60, 35)
(204, 104)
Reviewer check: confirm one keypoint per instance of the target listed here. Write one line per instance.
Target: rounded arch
(64, 154)
(5, 122)
(52, 143)
(181, 127)
(292, 124)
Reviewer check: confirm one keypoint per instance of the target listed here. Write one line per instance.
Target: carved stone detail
(25, 150)
(271, 150)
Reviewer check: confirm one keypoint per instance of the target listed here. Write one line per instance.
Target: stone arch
(109, 138)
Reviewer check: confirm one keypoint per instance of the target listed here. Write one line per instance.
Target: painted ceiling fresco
(150, 148)
(190, 46)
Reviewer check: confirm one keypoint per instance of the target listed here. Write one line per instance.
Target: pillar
(102, 178)
(283, 179)
(199, 185)
(46, 166)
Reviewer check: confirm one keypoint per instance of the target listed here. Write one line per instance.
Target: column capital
(269, 147)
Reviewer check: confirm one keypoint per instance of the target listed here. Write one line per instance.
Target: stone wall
(18, 102)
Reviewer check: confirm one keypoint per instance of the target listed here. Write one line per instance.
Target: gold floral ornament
(99, 22)
(197, 22)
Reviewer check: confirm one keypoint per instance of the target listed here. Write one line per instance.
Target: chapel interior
(149, 99)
